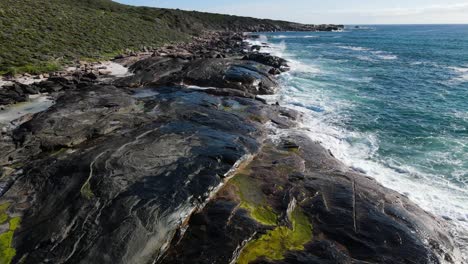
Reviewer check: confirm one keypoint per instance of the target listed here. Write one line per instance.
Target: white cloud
(432, 14)
(438, 9)
(335, 11)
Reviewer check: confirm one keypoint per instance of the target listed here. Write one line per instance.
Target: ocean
(391, 102)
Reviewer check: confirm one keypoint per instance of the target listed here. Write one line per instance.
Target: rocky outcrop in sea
(183, 162)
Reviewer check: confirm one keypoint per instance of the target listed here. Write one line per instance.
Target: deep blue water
(391, 101)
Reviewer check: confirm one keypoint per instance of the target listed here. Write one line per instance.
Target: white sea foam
(354, 48)
(461, 74)
(369, 54)
(387, 56)
(292, 37)
(303, 68)
(365, 58)
(461, 114)
(358, 150)
(280, 50)
(360, 80)
(322, 112)
(384, 55)
(280, 37)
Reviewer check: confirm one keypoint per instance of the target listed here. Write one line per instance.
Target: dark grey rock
(353, 218)
(111, 177)
(151, 70)
(267, 59)
(246, 76)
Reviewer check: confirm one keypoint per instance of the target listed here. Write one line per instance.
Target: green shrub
(37, 31)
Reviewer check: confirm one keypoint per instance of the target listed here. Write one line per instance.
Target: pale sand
(114, 69)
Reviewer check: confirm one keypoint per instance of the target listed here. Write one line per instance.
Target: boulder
(12, 94)
(255, 48)
(274, 71)
(247, 76)
(267, 59)
(151, 70)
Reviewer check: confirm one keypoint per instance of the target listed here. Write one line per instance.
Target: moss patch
(7, 252)
(17, 165)
(15, 223)
(86, 191)
(257, 118)
(59, 152)
(294, 149)
(3, 214)
(226, 108)
(262, 214)
(275, 243)
(253, 200)
(252, 185)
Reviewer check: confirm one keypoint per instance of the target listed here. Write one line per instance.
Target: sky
(329, 11)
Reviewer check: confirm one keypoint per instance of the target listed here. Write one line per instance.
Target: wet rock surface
(352, 219)
(235, 74)
(113, 177)
(243, 75)
(267, 59)
(143, 169)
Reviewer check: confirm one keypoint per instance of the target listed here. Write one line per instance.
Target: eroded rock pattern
(344, 216)
(112, 177)
(243, 75)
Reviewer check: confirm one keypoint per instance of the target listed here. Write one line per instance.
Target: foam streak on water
(392, 102)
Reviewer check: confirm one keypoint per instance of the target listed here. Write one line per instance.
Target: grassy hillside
(40, 35)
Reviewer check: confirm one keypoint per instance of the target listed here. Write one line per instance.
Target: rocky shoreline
(183, 162)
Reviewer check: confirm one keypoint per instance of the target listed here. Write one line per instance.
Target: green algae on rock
(86, 191)
(14, 223)
(253, 200)
(3, 214)
(7, 252)
(275, 243)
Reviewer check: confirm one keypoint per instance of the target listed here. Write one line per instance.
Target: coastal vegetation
(41, 35)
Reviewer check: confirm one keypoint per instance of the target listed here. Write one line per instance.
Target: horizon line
(291, 21)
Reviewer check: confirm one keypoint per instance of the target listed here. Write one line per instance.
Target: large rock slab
(247, 76)
(111, 176)
(244, 75)
(151, 70)
(295, 203)
(267, 59)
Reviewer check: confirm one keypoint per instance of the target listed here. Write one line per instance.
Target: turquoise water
(391, 101)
